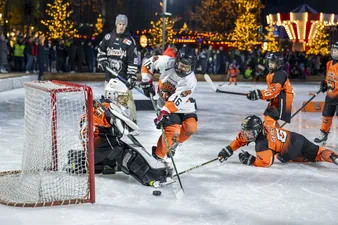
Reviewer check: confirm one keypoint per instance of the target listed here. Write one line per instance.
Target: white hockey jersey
(173, 91)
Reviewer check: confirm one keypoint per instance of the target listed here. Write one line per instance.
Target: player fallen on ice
(279, 92)
(330, 85)
(115, 147)
(272, 142)
(176, 84)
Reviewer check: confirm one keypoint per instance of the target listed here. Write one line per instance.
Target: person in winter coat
(4, 51)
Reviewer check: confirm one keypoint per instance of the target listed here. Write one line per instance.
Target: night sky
(140, 12)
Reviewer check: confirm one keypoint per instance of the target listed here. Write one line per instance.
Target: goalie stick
(213, 86)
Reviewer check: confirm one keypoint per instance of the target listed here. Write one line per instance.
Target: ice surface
(227, 193)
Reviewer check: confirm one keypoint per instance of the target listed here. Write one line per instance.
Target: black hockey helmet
(252, 126)
(275, 58)
(185, 61)
(334, 51)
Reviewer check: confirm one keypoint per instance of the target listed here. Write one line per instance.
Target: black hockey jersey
(120, 53)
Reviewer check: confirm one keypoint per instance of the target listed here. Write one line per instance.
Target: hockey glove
(246, 158)
(102, 65)
(148, 88)
(162, 119)
(225, 153)
(254, 95)
(131, 83)
(323, 86)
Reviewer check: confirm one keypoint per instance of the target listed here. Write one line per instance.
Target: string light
(320, 42)
(272, 44)
(60, 26)
(98, 26)
(245, 34)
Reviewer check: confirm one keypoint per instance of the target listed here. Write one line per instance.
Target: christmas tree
(320, 42)
(245, 34)
(272, 44)
(60, 26)
(220, 15)
(156, 30)
(98, 26)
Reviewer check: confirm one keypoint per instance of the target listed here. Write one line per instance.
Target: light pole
(1, 26)
(164, 15)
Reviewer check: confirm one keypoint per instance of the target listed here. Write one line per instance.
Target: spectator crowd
(38, 55)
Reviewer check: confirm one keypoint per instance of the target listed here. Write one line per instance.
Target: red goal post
(58, 159)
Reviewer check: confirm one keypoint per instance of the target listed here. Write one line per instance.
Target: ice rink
(223, 194)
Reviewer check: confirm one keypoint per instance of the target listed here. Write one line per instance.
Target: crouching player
(177, 82)
(272, 141)
(115, 147)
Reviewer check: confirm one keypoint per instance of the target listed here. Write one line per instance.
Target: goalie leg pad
(133, 163)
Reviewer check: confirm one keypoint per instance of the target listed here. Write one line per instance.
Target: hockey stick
(302, 106)
(122, 79)
(166, 142)
(195, 167)
(213, 86)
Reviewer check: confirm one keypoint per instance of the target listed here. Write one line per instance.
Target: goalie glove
(246, 158)
(225, 153)
(254, 95)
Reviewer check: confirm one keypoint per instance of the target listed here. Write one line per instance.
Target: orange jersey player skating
(279, 92)
(176, 84)
(233, 71)
(272, 141)
(331, 101)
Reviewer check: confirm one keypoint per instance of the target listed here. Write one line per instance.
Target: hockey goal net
(51, 173)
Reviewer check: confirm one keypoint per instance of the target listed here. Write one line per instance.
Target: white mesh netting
(55, 161)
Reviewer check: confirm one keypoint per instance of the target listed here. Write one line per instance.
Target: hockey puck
(157, 193)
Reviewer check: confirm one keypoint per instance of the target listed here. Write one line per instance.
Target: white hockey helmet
(117, 91)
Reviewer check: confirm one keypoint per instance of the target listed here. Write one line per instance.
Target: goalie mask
(334, 51)
(116, 91)
(252, 126)
(185, 62)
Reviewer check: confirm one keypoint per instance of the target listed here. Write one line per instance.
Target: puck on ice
(157, 193)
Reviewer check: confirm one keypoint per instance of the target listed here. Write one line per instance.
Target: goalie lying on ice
(116, 148)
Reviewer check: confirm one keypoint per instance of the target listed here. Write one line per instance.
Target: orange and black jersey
(279, 93)
(332, 82)
(102, 126)
(233, 71)
(272, 140)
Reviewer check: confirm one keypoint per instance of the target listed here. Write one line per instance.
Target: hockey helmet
(185, 62)
(252, 126)
(275, 61)
(117, 91)
(334, 51)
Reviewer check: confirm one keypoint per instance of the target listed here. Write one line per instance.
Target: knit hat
(121, 18)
